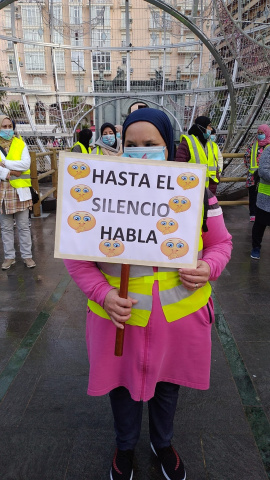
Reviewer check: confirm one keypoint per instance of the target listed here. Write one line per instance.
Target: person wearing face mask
(15, 195)
(83, 144)
(168, 321)
(217, 158)
(119, 130)
(107, 143)
(252, 160)
(196, 148)
(262, 218)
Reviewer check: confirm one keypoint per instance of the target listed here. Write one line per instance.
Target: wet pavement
(51, 430)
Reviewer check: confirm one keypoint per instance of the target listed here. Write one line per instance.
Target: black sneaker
(122, 465)
(171, 464)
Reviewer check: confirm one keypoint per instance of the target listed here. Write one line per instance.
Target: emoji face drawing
(111, 248)
(81, 221)
(81, 192)
(174, 248)
(187, 180)
(179, 204)
(78, 170)
(167, 225)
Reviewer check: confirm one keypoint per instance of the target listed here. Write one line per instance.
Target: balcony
(189, 49)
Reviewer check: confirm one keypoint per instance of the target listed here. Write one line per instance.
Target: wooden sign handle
(119, 340)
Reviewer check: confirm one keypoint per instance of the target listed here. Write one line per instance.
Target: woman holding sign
(168, 317)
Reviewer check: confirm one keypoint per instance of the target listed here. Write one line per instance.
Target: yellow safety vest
(253, 157)
(264, 187)
(15, 154)
(176, 300)
(99, 151)
(198, 155)
(213, 160)
(83, 149)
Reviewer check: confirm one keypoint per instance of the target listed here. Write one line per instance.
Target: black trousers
(252, 196)
(257, 233)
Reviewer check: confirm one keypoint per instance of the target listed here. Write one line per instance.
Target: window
(60, 60)
(154, 19)
(124, 60)
(165, 38)
(79, 84)
(154, 63)
(33, 34)
(7, 18)
(37, 81)
(101, 38)
(11, 63)
(14, 82)
(77, 61)
(31, 16)
(75, 14)
(102, 58)
(58, 36)
(34, 61)
(100, 15)
(61, 83)
(9, 45)
(123, 19)
(57, 14)
(154, 39)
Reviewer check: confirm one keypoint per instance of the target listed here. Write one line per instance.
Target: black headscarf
(203, 122)
(159, 119)
(85, 136)
(112, 127)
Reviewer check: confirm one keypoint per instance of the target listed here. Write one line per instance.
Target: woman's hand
(118, 309)
(15, 173)
(193, 278)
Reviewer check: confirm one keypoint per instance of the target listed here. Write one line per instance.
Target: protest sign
(124, 210)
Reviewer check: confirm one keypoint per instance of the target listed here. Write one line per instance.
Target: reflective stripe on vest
(15, 154)
(99, 150)
(83, 149)
(253, 158)
(197, 153)
(176, 300)
(212, 160)
(264, 187)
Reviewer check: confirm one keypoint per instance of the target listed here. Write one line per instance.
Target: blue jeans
(128, 416)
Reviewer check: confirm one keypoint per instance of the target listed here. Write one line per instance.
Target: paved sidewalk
(51, 430)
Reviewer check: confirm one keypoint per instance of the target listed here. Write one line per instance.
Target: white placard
(124, 210)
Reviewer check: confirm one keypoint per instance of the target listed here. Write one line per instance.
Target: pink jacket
(177, 352)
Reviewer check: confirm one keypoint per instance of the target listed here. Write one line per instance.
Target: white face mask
(147, 153)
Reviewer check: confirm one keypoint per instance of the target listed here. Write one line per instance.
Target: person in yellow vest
(168, 316)
(262, 212)
(83, 144)
(252, 161)
(196, 148)
(217, 159)
(108, 143)
(15, 195)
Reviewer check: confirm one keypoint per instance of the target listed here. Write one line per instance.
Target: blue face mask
(6, 133)
(147, 153)
(213, 138)
(108, 139)
(261, 136)
(206, 134)
(118, 135)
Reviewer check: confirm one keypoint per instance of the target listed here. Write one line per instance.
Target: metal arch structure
(137, 100)
(198, 32)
